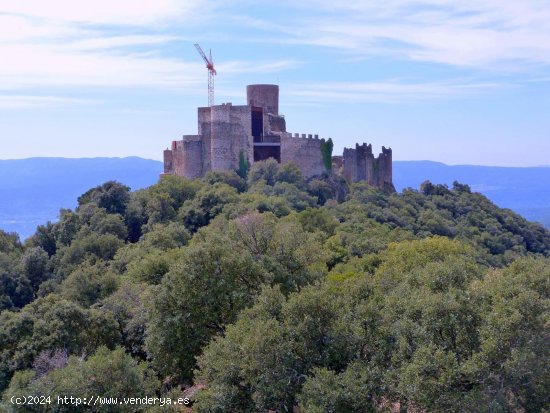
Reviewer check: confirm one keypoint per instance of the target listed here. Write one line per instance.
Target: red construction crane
(211, 74)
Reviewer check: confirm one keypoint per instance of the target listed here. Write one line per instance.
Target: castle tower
(361, 165)
(264, 96)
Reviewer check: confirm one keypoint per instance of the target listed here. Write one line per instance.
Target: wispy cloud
(241, 67)
(484, 34)
(64, 43)
(43, 65)
(61, 43)
(389, 91)
(127, 12)
(113, 42)
(31, 102)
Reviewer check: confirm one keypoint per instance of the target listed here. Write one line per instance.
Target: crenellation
(257, 131)
(359, 164)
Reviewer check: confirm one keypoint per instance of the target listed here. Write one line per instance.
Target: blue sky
(461, 82)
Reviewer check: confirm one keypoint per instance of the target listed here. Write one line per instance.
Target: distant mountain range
(524, 190)
(33, 190)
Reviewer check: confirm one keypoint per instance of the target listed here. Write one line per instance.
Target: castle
(229, 134)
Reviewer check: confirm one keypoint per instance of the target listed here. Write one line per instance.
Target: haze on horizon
(456, 82)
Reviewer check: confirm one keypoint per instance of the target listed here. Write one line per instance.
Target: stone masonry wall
(230, 134)
(385, 174)
(168, 161)
(304, 152)
(241, 134)
(185, 157)
(204, 130)
(359, 164)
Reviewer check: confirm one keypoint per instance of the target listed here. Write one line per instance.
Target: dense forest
(256, 291)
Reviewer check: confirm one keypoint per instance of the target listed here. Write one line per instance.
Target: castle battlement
(257, 131)
(302, 136)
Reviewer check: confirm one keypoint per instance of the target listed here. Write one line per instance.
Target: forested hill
(524, 190)
(32, 191)
(268, 292)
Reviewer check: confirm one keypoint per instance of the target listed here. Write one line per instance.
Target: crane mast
(211, 73)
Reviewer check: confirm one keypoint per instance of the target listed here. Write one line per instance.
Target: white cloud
(95, 43)
(62, 43)
(85, 63)
(26, 101)
(476, 33)
(389, 91)
(17, 29)
(128, 12)
(44, 65)
(66, 43)
(44, 44)
(242, 67)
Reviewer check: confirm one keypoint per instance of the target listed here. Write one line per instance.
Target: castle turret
(361, 165)
(264, 96)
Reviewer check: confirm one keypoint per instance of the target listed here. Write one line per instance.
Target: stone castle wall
(304, 151)
(205, 131)
(275, 123)
(185, 158)
(359, 164)
(168, 161)
(225, 131)
(220, 138)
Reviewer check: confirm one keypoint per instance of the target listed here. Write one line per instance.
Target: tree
(326, 152)
(87, 284)
(313, 219)
(106, 374)
(203, 291)
(264, 170)
(321, 189)
(264, 358)
(291, 173)
(50, 323)
(402, 334)
(87, 246)
(15, 344)
(34, 266)
(127, 306)
(244, 166)
(15, 288)
(9, 242)
(230, 178)
(326, 391)
(45, 238)
(509, 371)
(112, 195)
(208, 203)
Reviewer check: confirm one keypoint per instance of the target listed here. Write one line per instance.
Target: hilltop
(524, 190)
(32, 191)
(274, 291)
